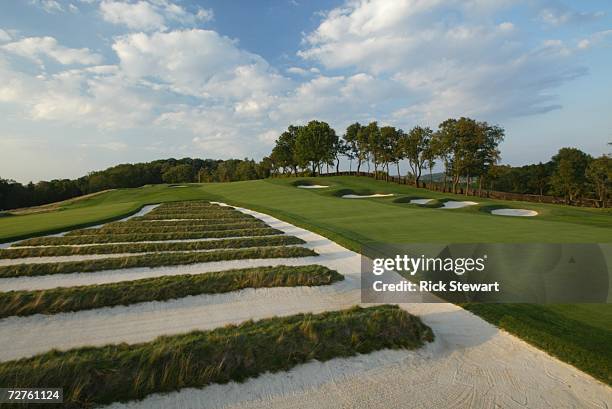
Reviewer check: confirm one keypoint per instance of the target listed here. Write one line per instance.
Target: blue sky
(85, 84)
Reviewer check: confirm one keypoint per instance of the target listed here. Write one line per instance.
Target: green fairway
(357, 222)
(104, 207)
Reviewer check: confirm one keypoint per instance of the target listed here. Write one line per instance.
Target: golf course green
(580, 335)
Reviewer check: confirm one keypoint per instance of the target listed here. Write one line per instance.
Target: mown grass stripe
(20, 252)
(166, 229)
(58, 300)
(100, 375)
(151, 260)
(118, 238)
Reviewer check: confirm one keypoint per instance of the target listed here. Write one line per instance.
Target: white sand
(471, 363)
(451, 204)
(312, 186)
(173, 187)
(420, 201)
(514, 212)
(366, 196)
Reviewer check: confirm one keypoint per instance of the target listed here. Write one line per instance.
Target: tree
(341, 148)
(363, 145)
(177, 174)
(430, 154)
(416, 144)
(375, 144)
(246, 170)
(391, 151)
(314, 145)
(469, 148)
(539, 177)
(569, 176)
(599, 174)
(283, 154)
(351, 137)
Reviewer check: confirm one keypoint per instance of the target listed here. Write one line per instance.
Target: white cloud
(4, 36)
(205, 15)
(50, 6)
(594, 39)
(197, 62)
(151, 15)
(35, 47)
(140, 15)
(449, 61)
(557, 16)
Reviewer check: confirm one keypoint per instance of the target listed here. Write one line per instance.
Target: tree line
(16, 195)
(467, 149)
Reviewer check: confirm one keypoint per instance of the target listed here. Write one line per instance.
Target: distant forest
(15, 195)
(467, 149)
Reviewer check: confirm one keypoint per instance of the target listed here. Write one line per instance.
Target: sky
(86, 84)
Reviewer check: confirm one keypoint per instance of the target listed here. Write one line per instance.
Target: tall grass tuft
(57, 300)
(51, 251)
(101, 375)
(151, 260)
(119, 238)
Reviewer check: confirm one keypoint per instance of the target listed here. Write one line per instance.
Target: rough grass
(44, 251)
(585, 346)
(191, 204)
(195, 223)
(151, 260)
(23, 303)
(118, 238)
(226, 214)
(167, 229)
(99, 375)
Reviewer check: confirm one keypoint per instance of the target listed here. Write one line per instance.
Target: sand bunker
(514, 212)
(312, 186)
(451, 204)
(366, 196)
(172, 187)
(420, 201)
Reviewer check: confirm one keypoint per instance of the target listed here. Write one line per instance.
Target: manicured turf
(355, 223)
(123, 372)
(121, 238)
(151, 260)
(48, 251)
(58, 300)
(103, 207)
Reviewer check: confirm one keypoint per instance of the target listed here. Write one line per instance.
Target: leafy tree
(569, 177)
(177, 174)
(363, 144)
(415, 148)
(246, 170)
(314, 145)
(390, 148)
(430, 154)
(375, 144)
(283, 153)
(599, 173)
(468, 148)
(352, 151)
